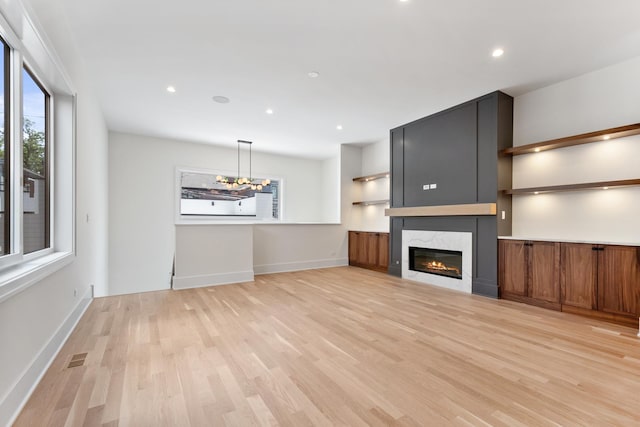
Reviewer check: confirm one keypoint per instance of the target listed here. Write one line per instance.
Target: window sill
(19, 277)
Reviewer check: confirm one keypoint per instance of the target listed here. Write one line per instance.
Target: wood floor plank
(337, 347)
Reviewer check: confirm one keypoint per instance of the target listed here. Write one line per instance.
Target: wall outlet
(434, 186)
(426, 186)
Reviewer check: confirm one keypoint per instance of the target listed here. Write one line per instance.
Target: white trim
(300, 265)
(16, 279)
(204, 280)
(18, 395)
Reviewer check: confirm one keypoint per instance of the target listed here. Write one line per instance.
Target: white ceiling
(382, 63)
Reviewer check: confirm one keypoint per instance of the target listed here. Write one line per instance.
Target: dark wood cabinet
(369, 250)
(590, 279)
(544, 271)
(579, 275)
(531, 272)
(383, 251)
(513, 280)
(619, 280)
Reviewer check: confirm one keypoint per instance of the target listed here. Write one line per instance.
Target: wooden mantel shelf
(444, 210)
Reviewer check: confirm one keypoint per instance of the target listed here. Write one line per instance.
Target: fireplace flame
(439, 266)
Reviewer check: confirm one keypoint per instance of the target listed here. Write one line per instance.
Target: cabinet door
(383, 251)
(513, 267)
(579, 275)
(353, 247)
(372, 249)
(362, 256)
(544, 271)
(619, 280)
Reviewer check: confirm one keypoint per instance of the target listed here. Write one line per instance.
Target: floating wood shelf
(371, 177)
(574, 187)
(585, 138)
(371, 202)
(444, 210)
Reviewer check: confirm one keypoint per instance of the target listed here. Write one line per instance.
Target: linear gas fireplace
(436, 261)
(439, 258)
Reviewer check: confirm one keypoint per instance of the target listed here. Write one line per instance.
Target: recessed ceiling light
(497, 53)
(339, 127)
(221, 99)
(171, 89)
(269, 111)
(313, 74)
(403, 1)
(606, 137)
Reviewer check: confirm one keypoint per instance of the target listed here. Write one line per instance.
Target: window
(210, 194)
(37, 158)
(35, 165)
(5, 194)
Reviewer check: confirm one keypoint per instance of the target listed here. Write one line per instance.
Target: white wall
(360, 161)
(376, 158)
(331, 189)
(34, 322)
(213, 254)
(142, 197)
(230, 253)
(598, 100)
(350, 167)
(291, 247)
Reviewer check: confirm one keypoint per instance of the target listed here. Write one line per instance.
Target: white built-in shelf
(371, 177)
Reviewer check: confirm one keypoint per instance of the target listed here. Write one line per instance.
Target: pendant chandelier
(242, 183)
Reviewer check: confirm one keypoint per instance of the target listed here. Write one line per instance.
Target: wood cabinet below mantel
(369, 250)
(590, 279)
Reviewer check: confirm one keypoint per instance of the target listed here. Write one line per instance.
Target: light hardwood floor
(342, 346)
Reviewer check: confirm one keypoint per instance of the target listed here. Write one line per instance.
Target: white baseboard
(205, 280)
(19, 394)
(300, 265)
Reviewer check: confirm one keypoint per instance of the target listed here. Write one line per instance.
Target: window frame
(8, 155)
(18, 271)
(48, 166)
